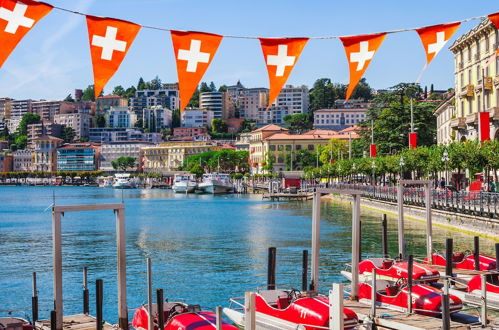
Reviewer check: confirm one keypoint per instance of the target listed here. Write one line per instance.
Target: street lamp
(445, 159)
(373, 166)
(401, 163)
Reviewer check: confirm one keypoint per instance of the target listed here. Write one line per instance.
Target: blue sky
(54, 59)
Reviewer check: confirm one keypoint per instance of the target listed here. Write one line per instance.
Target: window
(298, 147)
(272, 147)
(469, 76)
(310, 147)
(288, 147)
(280, 147)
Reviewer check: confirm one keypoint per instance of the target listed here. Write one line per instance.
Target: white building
(111, 152)
(444, 113)
(251, 101)
(155, 118)
(120, 117)
(165, 98)
(196, 118)
(20, 107)
(121, 134)
(12, 124)
(213, 101)
(294, 99)
(79, 122)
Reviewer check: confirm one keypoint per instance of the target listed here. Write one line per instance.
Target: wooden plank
(88, 207)
(74, 322)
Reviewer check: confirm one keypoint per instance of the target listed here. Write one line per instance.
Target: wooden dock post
(400, 209)
(483, 298)
(149, 294)
(34, 301)
(476, 252)
(373, 294)
(99, 298)
(86, 301)
(57, 212)
(448, 256)
(410, 268)
(159, 304)
(271, 268)
(497, 256)
(429, 225)
(384, 236)
(304, 271)
(445, 305)
(336, 316)
(249, 311)
(355, 246)
(53, 320)
(316, 234)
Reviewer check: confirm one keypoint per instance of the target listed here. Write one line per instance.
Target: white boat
(184, 184)
(123, 181)
(216, 183)
(105, 182)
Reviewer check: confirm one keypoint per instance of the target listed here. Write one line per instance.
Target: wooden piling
(445, 306)
(304, 271)
(271, 268)
(149, 294)
(34, 301)
(336, 316)
(497, 256)
(448, 257)
(159, 304)
(410, 265)
(219, 323)
(86, 301)
(483, 298)
(53, 320)
(476, 252)
(384, 236)
(99, 295)
(249, 311)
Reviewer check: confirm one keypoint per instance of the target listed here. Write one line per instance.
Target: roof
(110, 96)
(341, 110)
(271, 127)
(349, 129)
(285, 136)
(483, 24)
(81, 145)
(321, 132)
(445, 103)
(47, 137)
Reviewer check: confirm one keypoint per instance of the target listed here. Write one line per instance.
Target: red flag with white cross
(110, 39)
(280, 56)
(17, 18)
(194, 52)
(435, 37)
(360, 51)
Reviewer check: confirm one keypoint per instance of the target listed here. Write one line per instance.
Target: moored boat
(216, 183)
(178, 316)
(473, 293)
(123, 181)
(395, 269)
(464, 260)
(10, 322)
(184, 184)
(287, 310)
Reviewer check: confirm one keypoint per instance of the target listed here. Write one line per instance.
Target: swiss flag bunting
(17, 18)
(495, 19)
(110, 39)
(360, 51)
(194, 52)
(280, 57)
(435, 37)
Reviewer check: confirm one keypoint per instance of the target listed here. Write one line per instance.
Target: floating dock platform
(73, 322)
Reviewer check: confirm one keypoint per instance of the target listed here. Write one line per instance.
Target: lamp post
(401, 163)
(445, 159)
(373, 167)
(354, 174)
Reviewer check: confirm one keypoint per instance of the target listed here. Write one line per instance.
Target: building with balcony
(251, 101)
(164, 98)
(476, 81)
(46, 109)
(445, 119)
(79, 122)
(23, 160)
(155, 118)
(41, 129)
(338, 119)
(5, 107)
(196, 118)
(6, 162)
(216, 102)
(78, 157)
(45, 153)
(112, 151)
(121, 134)
(19, 108)
(104, 103)
(190, 134)
(120, 117)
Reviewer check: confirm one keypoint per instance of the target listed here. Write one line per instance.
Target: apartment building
(120, 117)
(79, 122)
(41, 129)
(78, 157)
(155, 118)
(196, 118)
(112, 151)
(476, 78)
(23, 160)
(104, 103)
(164, 98)
(5, 107)
(20, 107)
(45, 153)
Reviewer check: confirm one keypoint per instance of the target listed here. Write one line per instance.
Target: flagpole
(349, 145)
(372, 131)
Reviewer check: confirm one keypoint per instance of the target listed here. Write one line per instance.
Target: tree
(204, 88)
(194, 101)
(298, 122)
(155, 84)
(123, 163)
(176, 118)
(248, 125)
(218, 125)
(68, 134)
(89, 94)
(322, 95)
(27, 119)
(197, 170)
(69, 98)
(362, 91)
(130, 92)
(21, 142)
(213, 88)
(141, 84)
(335, 149)
(222, 88)
(119, 90)
(100, 120)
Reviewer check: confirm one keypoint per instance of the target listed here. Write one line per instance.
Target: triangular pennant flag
(17, 17)
(280, 57)
(495, 19)
(110, 39)
(194, 52)
(435, 37)
(360, 51)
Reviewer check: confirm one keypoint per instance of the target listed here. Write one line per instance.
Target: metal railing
(478, 203)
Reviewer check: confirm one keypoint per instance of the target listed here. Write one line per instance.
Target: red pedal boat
(10, 322)
(395, 269)
(492, 286)
(426, 300)
(178, 316)
(288, 310)
(464, 261)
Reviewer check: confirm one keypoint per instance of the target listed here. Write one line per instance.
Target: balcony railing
(458, 123)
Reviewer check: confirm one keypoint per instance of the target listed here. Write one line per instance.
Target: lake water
(204, 248)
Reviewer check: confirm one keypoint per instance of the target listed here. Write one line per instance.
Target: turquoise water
(204, 248)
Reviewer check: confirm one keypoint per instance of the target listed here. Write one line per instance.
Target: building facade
(120, 117)
(46, 109)
(104, 103)
(215, 102)
(79, 122)
(6, 162)
(20, 107)
(23, 160)
(196, 118)
(78, 157)
(45, 153)
(5, 107)
(111, 152)
(44, 128)
(476, 81)
(121, 134)
(164, 98)
(251, 100)
(294, 99)
(189, 133)
(155, 118)
(444, 113)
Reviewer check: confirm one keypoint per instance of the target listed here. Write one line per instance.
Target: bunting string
(252, 37)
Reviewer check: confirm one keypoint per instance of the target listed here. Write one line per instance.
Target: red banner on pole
(373, 150)
(484, 126)
(413, 140)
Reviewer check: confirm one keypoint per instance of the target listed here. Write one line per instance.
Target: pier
(75, 322)
(299, 196)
